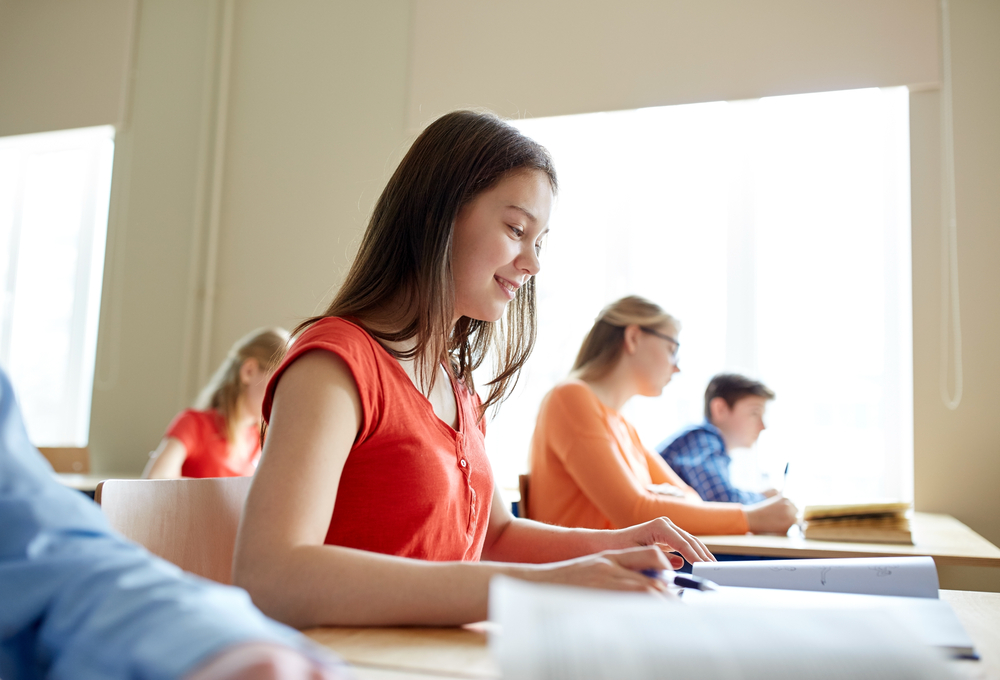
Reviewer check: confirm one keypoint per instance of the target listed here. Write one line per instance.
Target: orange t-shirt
(203, 435)
(411, 486)
(589, 469)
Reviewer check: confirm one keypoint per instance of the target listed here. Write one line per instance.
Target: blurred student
(79, 602)
(220, 436)
(588, 466)
(374, 501)
(734, 418)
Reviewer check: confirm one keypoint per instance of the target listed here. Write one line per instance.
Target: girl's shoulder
(573, 395)
(195, 422)
(343, 337)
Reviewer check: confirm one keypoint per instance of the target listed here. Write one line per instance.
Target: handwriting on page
(901, 576)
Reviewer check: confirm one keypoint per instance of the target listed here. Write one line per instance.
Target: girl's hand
(608, 570)
(668, 536)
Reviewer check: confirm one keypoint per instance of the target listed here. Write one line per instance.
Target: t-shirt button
(462, 462)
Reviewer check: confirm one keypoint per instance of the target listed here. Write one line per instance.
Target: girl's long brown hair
(400, 285)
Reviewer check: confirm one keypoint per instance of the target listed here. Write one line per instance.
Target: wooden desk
(942, 537)
(88, 483)
(440, 653)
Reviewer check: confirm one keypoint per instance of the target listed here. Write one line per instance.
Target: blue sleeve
(79, 602)
(700, 459)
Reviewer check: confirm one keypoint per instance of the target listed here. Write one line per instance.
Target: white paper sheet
(901, 576)
(931, 620)
(561, 633)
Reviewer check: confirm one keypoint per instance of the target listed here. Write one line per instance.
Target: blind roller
(63, 64)
(525, 58)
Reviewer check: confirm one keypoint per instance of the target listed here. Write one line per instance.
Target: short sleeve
(357, 350)
(187, 428)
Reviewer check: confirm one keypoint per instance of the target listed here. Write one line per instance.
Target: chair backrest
(67, 458)
(190, 522)
(522, 505)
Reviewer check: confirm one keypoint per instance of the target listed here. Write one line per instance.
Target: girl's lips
(507, 287)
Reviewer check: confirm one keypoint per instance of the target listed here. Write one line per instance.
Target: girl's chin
(486, 315)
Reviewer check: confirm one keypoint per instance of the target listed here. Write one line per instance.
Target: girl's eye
(538, 248)
(517, 231)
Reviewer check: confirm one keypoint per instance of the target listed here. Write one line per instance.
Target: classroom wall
(957, 453)
(258, 134)
(274, 125)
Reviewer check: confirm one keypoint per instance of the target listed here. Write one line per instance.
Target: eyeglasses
(664, 336)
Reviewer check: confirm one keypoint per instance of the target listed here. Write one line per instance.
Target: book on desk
(885, 522)
(734, 631)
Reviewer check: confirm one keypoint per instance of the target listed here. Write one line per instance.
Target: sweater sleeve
(592, 456)
(81, 603)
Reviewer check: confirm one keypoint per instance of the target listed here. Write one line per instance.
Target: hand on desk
(265, 661)
(770, 493)
(608, 570)
(774, 515)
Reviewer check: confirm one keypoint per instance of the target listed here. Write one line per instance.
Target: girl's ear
(248, 371)
(632, 338)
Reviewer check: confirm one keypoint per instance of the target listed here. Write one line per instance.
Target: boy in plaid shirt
(734, 418)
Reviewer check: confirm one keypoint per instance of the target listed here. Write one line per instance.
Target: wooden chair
(68, 458)
(522, 505)
(190, 522)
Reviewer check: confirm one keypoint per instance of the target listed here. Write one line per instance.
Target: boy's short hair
(732, 387)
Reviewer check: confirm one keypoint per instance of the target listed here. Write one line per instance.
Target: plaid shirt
(698, 454)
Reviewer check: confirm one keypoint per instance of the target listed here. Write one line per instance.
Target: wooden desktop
(428, 653)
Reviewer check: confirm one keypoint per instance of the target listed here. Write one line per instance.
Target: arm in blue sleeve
(700, 458)
(78, 601)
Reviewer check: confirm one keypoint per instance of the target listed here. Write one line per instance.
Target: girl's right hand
(608, 570)
(771, 516)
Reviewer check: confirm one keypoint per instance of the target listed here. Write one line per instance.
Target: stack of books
(859, 522)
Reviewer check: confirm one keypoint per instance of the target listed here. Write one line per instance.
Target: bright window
(778, 232)
(54, 193)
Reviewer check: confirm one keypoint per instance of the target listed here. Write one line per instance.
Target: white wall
(63, 64)
(957, 453)
(524, 58)
(282, 152)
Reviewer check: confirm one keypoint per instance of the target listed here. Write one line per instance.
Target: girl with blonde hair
(220, 435)
(588, 466)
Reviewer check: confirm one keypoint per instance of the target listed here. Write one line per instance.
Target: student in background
(78, 601)
(374, 501)
(734, 418)
(588, 466)
(220, 436)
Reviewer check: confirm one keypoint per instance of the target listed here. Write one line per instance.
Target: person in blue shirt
(734, 418)
(77, 601)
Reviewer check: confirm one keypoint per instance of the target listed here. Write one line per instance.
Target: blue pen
(681, 580)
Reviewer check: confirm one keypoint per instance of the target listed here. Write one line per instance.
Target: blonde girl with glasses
(588, 466)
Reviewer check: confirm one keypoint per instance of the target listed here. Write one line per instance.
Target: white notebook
(551, 632)
(900, 576)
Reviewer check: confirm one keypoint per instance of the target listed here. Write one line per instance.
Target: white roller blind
(63, 65)
(531, 58)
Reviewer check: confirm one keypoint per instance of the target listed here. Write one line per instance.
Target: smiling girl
(374, 501)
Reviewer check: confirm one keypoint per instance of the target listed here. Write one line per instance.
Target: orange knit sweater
(589, 469)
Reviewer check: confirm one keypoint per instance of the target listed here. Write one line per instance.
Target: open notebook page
(931, 620)
(902, 576)
(562, 633)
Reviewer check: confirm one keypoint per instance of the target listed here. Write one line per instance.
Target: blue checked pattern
(698, 454)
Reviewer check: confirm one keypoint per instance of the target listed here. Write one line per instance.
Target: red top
(412, 486)
(203, 435)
